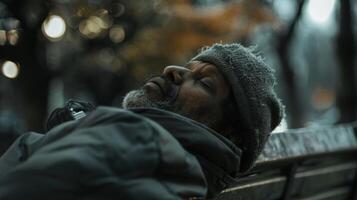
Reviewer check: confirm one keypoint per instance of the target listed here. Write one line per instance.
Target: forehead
(205, 67)
(199, 65)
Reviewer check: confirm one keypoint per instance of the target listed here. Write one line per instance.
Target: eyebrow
(189, 66)
(205, 65)
(213, 75)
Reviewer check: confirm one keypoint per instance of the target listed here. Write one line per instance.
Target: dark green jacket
(119, 154)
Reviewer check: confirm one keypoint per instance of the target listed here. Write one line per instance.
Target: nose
(176, 73)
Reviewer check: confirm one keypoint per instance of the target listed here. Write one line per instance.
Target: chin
(140, 99)
(135, 99)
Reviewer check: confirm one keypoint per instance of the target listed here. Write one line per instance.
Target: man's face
(196, 91)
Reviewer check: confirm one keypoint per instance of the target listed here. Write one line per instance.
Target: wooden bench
(306, 164)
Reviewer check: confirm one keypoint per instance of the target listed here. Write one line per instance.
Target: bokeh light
(95, 25)
(13, 36)
(319, 11)
(10, 69)
(3, 37)
(117, 9)
(104, 20)
(90, 28)
(117, 34)
(54, 27)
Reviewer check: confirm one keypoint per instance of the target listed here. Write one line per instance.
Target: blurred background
(97, 50)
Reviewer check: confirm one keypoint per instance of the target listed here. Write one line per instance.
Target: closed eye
(206, 82)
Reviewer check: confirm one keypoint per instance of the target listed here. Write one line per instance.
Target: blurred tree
(346, 51)
(107, 42)
(294, 105)
(182, 27)
(34, 77)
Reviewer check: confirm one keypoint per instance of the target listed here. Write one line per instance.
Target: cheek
(195, 100)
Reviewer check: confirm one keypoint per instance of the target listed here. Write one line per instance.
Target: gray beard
(139, 99)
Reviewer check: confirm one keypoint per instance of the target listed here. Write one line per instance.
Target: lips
(161, 87)
(156, 86)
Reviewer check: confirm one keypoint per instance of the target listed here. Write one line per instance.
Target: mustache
(154, 76)
(170, 89)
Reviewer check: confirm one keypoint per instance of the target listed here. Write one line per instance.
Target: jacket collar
(205, 143)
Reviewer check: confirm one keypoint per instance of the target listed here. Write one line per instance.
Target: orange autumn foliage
(184, 28)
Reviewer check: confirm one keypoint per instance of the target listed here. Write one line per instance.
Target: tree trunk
(294, 104)
(33, 79)
(346, 50)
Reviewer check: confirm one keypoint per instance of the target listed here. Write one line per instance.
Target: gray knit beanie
(252, 82)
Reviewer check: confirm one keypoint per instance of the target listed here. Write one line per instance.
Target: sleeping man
(184, 134)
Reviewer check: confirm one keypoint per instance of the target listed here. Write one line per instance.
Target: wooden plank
(312, 141)
(342, 193)
(312, 181)
(265, 189)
